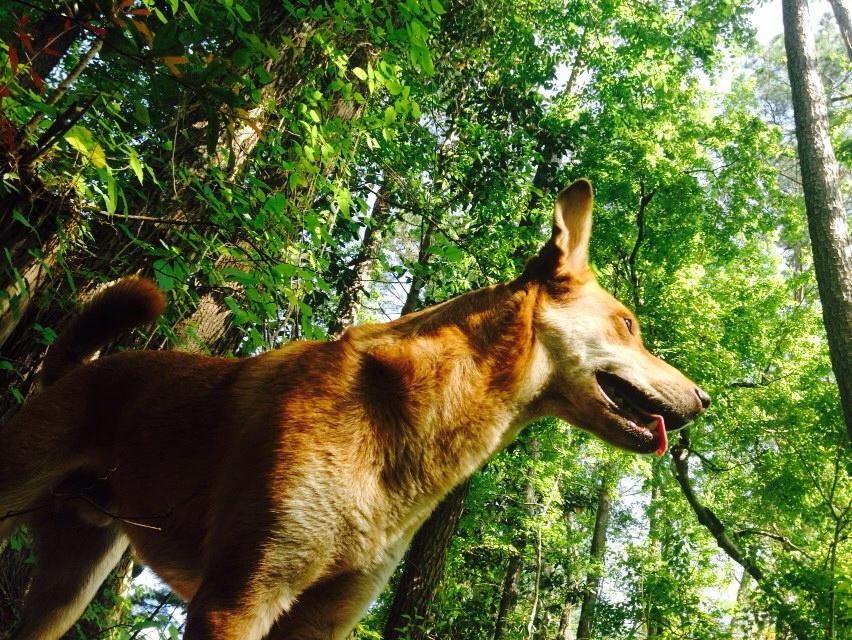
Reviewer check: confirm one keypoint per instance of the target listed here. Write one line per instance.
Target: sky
(767, 18)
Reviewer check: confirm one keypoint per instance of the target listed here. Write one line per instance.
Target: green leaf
(359, 73)
(110, 196)
(241, 11)
(82, 140)
(135, 164)
(17, 215)
(263, 75)
(191, 12)
(141, 115)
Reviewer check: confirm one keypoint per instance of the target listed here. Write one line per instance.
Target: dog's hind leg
(72, 560)
(43, 443)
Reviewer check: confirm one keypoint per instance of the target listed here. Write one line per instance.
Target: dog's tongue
(661, 429)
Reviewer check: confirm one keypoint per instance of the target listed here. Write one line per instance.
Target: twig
(171, 221)
(163, 602)
(784, 540)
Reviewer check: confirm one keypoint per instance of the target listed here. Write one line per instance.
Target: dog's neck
(449, 386)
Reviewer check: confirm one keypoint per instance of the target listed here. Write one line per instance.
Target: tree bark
(827, 218)
(410, 613)
(585, 626)
(453, 503)
(418, 280)
(844, 23)
(563, 632)
(509, 595)
(352, 286)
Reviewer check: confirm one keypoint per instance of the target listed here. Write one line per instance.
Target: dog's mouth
(646, 418)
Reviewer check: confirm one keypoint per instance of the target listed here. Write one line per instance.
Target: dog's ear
(572, 226)
(566, 254)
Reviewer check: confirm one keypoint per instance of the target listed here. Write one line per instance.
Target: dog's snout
(703, 397)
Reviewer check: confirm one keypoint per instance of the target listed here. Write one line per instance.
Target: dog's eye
(629, 324)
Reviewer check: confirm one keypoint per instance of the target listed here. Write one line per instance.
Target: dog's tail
(114, 311)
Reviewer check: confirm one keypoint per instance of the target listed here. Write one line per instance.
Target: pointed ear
(572, 226)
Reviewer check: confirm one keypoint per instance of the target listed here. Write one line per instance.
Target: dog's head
(602, 377)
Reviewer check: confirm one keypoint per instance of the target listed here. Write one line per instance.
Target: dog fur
(277, 493)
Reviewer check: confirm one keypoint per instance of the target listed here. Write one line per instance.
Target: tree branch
(680, 470)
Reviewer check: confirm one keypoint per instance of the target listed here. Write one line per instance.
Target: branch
(680, 469)
(644, 200)
(784, 540)
(172, 221)
(59, 128)
(164, 600)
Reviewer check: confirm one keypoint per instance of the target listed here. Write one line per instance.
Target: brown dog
(277, 493)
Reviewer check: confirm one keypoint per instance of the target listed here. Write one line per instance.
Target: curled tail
(114, 311)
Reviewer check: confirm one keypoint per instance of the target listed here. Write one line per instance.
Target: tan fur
(277, 493)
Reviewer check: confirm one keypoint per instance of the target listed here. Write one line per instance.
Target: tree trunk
(542, 180)
(352, 286)
(740, 623)
(509, 596)
(418, 280)
(596, 555)
(565, 622)
(410, 613)
(652, 614)
(844, 23)
(827, 218)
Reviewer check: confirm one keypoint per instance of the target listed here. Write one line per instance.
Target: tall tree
(844, 23)
(827, 217)
(597, 552)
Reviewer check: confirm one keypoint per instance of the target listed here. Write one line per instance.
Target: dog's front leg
(249, 583)
(236, 607)
(330, 609)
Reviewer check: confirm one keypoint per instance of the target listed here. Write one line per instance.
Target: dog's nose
(703, 397)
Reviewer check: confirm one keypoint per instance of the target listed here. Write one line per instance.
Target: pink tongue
(661, 429)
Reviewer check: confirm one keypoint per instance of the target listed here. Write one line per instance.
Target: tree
(597, 551)
(827, 217)
(844, 23)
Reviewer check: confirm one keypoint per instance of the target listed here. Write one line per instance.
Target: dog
(277, 493)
